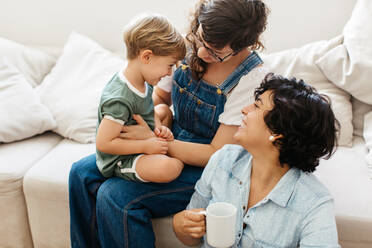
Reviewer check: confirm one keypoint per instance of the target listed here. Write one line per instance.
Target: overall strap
(246, 66)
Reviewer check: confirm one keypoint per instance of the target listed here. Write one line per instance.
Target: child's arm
(108, 141)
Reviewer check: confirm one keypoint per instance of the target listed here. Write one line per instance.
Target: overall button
(184, 67)
(199, 102)
(181, 90)
(219, 91)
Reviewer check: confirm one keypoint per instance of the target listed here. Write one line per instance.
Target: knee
(111, 194)
(172, 168)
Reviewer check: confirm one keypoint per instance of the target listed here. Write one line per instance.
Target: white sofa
(34, 171)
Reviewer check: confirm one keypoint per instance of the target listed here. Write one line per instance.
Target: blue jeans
(104, 216)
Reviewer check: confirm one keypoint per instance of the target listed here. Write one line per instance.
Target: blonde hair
(156, 33)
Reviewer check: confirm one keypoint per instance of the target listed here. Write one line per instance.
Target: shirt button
(240, 182)
(119, 163)
(243, 207)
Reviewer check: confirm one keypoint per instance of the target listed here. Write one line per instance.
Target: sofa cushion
(73, 88)
(367, 134)
(32, 63)
(345, 174)
(46, 192)
(22, 113)
(15, 159)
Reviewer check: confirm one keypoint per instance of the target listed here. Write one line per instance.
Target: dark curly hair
(238, 23)
(304, 118)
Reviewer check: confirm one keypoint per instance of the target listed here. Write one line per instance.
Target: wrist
(146, 146)
(175, 221)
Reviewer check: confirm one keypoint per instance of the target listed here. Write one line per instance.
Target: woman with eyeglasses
(208, 90)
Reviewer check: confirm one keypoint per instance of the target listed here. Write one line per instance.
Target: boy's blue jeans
(117, 213)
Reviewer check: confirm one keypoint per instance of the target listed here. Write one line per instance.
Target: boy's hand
(164, 132)
(156, 145)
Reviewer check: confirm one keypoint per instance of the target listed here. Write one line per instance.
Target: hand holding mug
(190, 223)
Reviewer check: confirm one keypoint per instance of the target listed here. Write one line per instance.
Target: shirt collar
(283, 191)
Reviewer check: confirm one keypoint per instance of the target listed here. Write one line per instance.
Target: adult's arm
(198, 154)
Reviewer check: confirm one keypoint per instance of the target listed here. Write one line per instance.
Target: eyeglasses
(211, 52)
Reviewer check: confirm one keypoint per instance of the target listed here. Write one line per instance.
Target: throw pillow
(33, 64)
(21, 111)
(73, 88)
(348, 65)
(300, 63)
(360, 109)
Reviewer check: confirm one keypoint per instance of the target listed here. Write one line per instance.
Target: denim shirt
(298, 212)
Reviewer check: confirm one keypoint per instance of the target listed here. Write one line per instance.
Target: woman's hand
(189, 226)
(141, 131)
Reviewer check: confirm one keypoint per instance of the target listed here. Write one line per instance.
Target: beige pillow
(73, 88)
(32, 63)
(21, 111)
(360, 109)
(349, 64)
(299, 63)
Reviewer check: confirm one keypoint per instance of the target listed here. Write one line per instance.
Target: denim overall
(117, 213)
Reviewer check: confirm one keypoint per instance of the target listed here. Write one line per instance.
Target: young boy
(153, 48)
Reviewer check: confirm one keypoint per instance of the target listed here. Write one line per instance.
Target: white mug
(221, 222)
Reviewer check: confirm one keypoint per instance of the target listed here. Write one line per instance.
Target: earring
(271, 138)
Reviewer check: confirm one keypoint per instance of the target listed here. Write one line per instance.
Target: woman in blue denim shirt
(268, 175)
(214, 82)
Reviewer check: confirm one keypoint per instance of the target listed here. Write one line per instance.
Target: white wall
(292, 23)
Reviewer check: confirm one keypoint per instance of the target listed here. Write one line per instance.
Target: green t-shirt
(121, 100)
